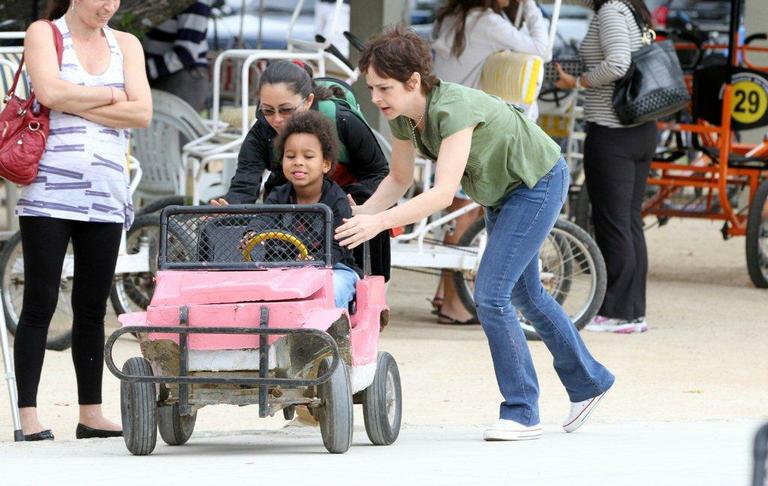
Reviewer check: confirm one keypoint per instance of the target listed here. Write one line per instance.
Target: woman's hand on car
(219, 202)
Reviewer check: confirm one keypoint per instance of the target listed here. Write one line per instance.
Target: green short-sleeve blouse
(507, 148)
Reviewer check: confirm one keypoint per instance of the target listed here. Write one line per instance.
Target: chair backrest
(158, 147)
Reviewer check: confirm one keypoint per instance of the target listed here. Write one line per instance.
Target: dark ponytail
(56, 9)
(297, 75)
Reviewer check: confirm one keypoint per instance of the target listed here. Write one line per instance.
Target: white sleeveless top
(83, 174)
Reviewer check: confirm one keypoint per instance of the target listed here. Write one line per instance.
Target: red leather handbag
(24, 128)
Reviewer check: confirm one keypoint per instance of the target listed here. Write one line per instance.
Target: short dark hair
(313, 123)
(397, 53)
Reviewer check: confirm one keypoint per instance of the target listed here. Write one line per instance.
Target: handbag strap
(58, 41)
(648, 34)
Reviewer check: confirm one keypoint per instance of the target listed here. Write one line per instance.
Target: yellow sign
(750, 101)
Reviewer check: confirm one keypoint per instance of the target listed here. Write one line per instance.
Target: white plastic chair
(159, 146)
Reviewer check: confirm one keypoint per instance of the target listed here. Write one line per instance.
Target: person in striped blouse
(617, 159)
(177, 54)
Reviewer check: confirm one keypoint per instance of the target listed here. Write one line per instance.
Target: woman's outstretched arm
(451, 162)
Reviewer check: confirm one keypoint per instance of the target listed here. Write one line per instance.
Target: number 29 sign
(749, 105)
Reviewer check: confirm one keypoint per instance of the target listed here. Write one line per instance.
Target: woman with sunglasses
(286, 88)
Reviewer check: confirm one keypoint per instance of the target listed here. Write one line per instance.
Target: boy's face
(303, 162)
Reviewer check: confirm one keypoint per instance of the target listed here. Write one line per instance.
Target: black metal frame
(244, 209)
(184, 380)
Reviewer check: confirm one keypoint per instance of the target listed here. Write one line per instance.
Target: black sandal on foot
(85, 432)
(437, 304)
(44, 435)
(450, 321)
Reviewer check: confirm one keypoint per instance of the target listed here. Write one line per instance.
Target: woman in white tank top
(80, 194)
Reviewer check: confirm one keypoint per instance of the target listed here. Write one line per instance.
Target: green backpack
(329, 107)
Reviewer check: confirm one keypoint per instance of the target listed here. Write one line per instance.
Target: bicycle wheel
(757, 237)
(572, 271)
(12, 278)
(133, 291)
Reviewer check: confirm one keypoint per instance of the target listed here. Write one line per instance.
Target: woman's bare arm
(50, 90)
(136, 112)
(451, 162)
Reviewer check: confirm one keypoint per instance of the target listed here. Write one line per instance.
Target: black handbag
(653, 86)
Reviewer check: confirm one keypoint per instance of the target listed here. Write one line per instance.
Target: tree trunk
(136, 16)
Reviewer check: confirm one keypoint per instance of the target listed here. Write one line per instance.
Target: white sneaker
(511, 430)
(580, 412)
(641, 325)
(609, 324)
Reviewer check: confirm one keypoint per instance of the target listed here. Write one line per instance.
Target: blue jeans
(508, 280)
(344, 281)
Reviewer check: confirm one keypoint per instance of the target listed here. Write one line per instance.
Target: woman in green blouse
(511, 167)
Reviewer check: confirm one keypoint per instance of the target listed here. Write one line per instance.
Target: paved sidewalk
(689, 396)
(693, 453)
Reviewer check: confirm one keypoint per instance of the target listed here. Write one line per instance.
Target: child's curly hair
(313, 123)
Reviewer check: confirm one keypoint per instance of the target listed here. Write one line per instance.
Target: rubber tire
(578, 233)
(54, 342)
(377, 424)
(582, 211)
(175, 429)
(335, 412)
(754, 225)
(129, 290)
(458, 277)
(601, 273)
(138, 407)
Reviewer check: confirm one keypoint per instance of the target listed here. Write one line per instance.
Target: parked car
(224, 28)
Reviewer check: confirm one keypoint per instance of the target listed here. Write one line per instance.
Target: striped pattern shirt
(606, 52)
(179, 43)
(82, 173)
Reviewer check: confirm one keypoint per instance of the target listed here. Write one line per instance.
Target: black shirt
(335, 198)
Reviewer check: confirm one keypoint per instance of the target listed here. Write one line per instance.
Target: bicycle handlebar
(333, 50)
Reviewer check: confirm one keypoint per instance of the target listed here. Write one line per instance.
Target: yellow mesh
(513, 77)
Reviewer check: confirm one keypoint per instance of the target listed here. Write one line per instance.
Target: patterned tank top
(83, 174)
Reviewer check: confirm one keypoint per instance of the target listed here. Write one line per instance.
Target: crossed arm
(133, 105)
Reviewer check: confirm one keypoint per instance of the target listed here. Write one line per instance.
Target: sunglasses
(284, 111)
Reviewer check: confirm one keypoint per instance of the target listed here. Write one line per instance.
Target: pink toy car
(243, 313)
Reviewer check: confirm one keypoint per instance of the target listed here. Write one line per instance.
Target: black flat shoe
(44, 435)
(85, 432)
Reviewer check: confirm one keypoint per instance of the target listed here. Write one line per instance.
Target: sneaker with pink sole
(620, 326)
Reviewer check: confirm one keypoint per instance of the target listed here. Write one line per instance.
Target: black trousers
(44, 244)
(379, 253)
(616, 165)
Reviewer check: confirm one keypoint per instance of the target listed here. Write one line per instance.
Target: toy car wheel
(138, 406)
(335, 411)
(383, 402)
(175, 429)
(289, 412)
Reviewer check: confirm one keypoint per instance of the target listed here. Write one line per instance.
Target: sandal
(437, 304)
(450, 321)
